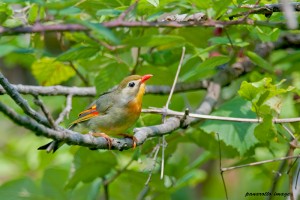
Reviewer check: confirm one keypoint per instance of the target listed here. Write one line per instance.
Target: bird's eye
(131, 84)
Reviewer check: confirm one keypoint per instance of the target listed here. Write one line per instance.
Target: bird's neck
(136, 104)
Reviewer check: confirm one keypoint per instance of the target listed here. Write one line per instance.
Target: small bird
(112, 113)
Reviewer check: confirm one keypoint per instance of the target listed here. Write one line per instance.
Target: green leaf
(265, 131)
(161, 58)
(6, 49)
(5, 12)
(156, 40)
(191, 178)
(53, 183)
(206, 68)
(259, 61)
(155, 3)
(214, 61)
(101, 31)
(77, 53)
(12, 23)
(220, 7)
(19, 189)
(108, 12)
(110, 76)
(90, 165)
(33, 13)
(248, 91)
(235, 134)
(50, 72)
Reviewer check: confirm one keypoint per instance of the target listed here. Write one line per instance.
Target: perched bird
(112, 113)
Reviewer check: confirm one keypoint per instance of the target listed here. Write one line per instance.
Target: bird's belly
(114, 122)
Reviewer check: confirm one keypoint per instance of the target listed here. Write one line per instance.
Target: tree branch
(220, 118)
(15, 95)
(267, 9)
(91, 91)
(259, 163)
(40, 28)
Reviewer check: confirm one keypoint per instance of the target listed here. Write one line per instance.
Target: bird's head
(133, 87)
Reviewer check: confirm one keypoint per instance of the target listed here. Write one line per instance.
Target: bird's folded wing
(86, 115)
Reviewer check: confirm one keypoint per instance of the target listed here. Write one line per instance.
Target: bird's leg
(131, 137)
(108, 139)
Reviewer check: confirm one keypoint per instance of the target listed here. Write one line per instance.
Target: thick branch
(74, 138)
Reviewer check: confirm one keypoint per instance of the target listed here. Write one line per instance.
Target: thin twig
(259, 163)
(46, 112)
(119, 172)
(66, 111)
(211, 117)
(127, 11)
(164, 143)
(176, 78)
(297, 177)
(220, 167)
(84, 80)
(157, 147)
(276, 177)
(289, 131)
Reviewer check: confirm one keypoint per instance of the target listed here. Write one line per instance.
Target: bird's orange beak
(146, 77)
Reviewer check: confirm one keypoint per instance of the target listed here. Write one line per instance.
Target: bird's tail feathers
(51, 146)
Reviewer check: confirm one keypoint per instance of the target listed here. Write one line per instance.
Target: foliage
(103, 56)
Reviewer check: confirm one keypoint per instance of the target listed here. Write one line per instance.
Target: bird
(112, 114)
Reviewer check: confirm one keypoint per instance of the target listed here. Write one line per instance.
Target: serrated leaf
(265, 131)
(259, 61)
(90, 165)
(102, 31)
(238, 135)
(48, 71)
(110, 76)
(77, 53)
(248, 91)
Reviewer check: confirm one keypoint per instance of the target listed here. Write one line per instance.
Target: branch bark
(91, 91)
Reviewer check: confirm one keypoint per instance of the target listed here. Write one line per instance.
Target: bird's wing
(99, 107)
(86, 114)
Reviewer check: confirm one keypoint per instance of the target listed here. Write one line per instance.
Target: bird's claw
(108, 139)
(134, 140)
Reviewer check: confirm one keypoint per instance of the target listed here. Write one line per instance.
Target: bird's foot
(134, 140)
(108, 139)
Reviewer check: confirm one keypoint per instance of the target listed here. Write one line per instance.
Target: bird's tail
(51, 146)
